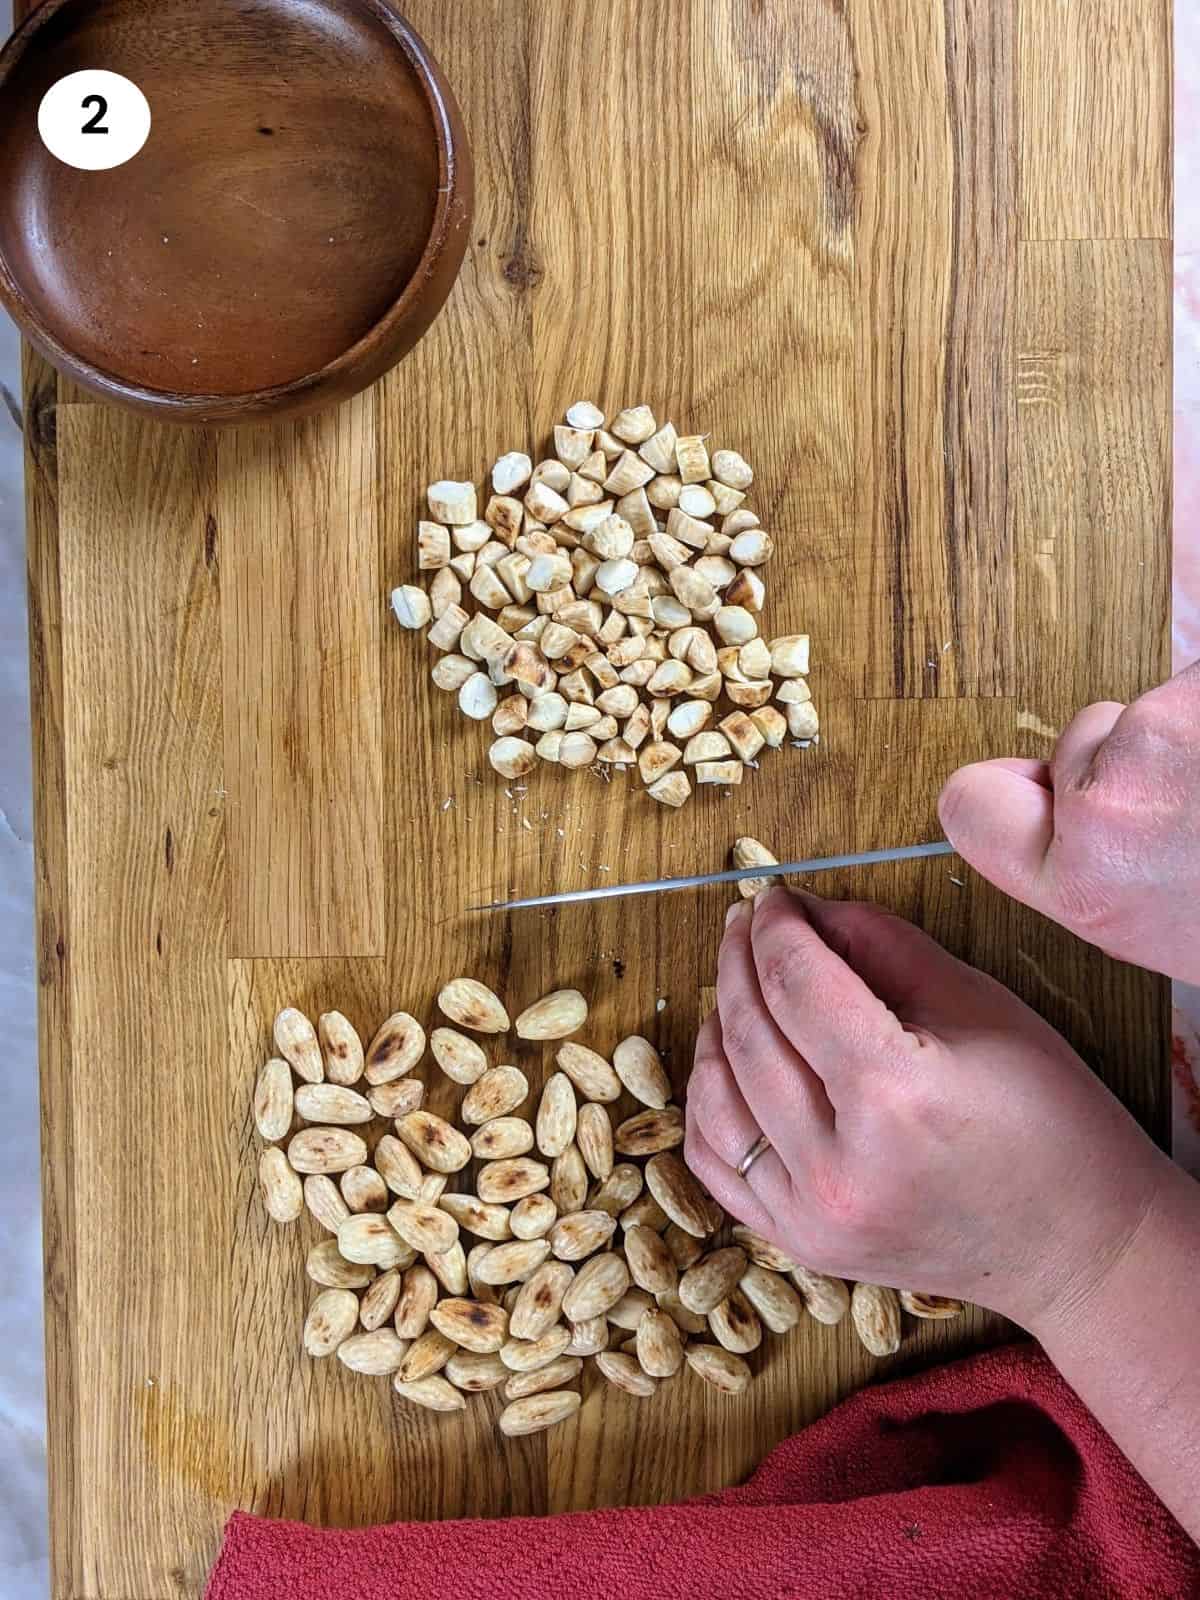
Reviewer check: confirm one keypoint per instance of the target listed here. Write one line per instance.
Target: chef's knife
(864, 858)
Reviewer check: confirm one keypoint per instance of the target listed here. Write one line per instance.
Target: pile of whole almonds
(575, 1236)
(606, 608)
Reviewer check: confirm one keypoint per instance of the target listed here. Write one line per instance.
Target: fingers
(1001, 821)
(1080, 743)
(785, 1097)
(760, 1207)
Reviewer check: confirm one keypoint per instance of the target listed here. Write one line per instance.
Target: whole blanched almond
(639, 1067)
(376, 1354)
(435, 1393)
(473, 1005)
(449, 1267)
(538, 1304)
(502, 1182)
(476, 1371)
(555, 1016)
(282, 1189)
(274, 1100)
(659, 1345)
(326, 1265)
(512, 1262)
(398, 1098)
(341, 1048)
(326, 1150)
(588, 1338)
(478, 1290)
(761, 1251)
(371, 1238)
(460, 1058)
(324, 1200)
(651, 1265)
(594, 1136)
(531, 1355)
(569, 1181)
(686, 1249)
(398, 1167)
(332, 1317)
(597, 1285)
(678, 1193)
(624, 1372)
(502, 1138)
(434, 1141)
(773, 1297)
(735, 1324)
(650, 1131)
(559, 1373)
(589, 1072)
(630, 1309)
(426, 1229)
(396, 1049)
(538, 1411)
(827, 1299)
(581, 1234)
(645, 1212)
(418, 1296)
(712, 1279)
(688, 1322)
(433, 1187)
(720, 1368)
(426, 1355)
(477, 1217)
(876, 1314)
(476, 1327)
(557, 1115)
(930, 1307)
(497, 1093)
(332, 1104)
(296, 1041)
(533, 1217)
(379, 1303)
(619, 1190)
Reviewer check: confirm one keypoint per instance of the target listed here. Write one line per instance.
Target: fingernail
(738, 909)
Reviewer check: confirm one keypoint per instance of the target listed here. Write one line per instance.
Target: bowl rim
(227, 405)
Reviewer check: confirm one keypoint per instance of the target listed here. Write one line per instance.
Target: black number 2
(93, 125)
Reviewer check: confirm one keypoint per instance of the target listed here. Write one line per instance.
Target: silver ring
(760, 1147)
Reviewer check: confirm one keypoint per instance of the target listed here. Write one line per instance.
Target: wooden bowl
(289, 230)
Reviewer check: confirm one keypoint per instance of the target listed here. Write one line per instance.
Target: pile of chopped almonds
(619, 598)
(591, 1237)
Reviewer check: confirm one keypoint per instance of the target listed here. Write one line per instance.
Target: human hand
(928, 1130)
(1105, 839)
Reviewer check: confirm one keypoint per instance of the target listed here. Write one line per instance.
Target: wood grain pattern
(782, 223)
(1094, 108)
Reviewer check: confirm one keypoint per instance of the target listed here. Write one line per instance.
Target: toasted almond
(561, 1371)
(645, 1212)
(678, 1193)
(588, 1338)
(475, 1371)
(580, 1234)
(624, 1372)
(473, 1326)
(686, 1249)
(396, 1049)
(296, 1041)
(827, 1299)
(398, 1098)
(650, 1264)
(802, 721)
(331, 1318)
(398, 1167)
(736, 1325)
(650, 1131)
(639, 1067)
(619, 1190)
(433, 1187)
(630, 1309)
(761, 1251)
(712, 1279)
(569, 1180)
(538, 1304)
(424, 1228)
(476, 1288)
(323, 1200)
(748, 852)
(597, 1285)
(594, 1135)
(512, 1262)
(659, 1345)
(688, 1322)
(773, 1297)
(274, 1099)
(460, 1058)
(589, 1072)
(930, 1307)
(538, 1411)
(379, 1303)
(435, 1393)
(497, 1093)
(502, 1138)
(557, 1115)
(426, 1356)
(876, 1314)
(376, 1354)
(331, 1104)
(418, 1296)
(326, 1265)
(554, 1016)
(472, 1005)
(326, 1150)
(485, 1221)
(450, 1269)
(531, 1355)
(282, 1189)
(533, 1217)
(502, 1182)
(433, 1141)
(721, 1368)
(369, 1238)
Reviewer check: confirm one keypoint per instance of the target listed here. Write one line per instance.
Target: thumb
(1000, 819)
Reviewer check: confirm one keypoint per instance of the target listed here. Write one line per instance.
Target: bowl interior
(278, 209)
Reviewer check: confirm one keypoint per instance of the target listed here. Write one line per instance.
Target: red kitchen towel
(986, 1477)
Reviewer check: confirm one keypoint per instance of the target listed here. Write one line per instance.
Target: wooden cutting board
(917, 266)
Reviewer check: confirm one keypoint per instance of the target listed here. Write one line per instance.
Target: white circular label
(94, 120)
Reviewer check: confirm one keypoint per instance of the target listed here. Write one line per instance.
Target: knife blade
(862, 858)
